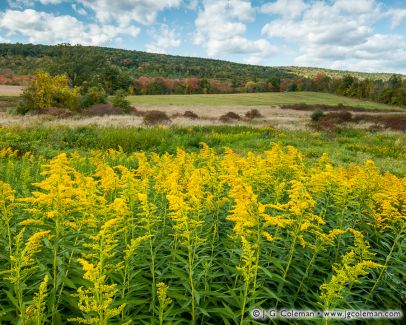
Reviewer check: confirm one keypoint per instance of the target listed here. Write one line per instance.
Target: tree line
(391, 91)
(139, 73)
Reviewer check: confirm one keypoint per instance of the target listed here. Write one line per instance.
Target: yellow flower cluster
(355, 263)
(119, 229)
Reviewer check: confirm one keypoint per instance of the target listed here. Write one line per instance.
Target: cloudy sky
(363, 35)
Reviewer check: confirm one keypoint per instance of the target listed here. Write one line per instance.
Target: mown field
(10, 90)
(257, 99)
(198, 225)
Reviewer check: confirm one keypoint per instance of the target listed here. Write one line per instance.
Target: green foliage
(87, 63)
(46, 91)
(387, 150)
(317, 115)
(119, 100)
(94, 95)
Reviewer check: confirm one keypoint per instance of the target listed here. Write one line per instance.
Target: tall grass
(386, 149)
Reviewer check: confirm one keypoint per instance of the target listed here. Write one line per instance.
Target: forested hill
(24, 59)
(141, 73)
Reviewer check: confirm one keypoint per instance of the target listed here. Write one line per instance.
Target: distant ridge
(24, 59)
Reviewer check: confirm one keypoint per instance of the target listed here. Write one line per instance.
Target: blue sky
(363, 35)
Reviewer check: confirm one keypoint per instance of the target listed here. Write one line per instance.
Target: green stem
(67, 268)
(309, 265)
(191, 282)
(151, 251)
(291, 251)
(244, 302)
(161, 315)
(386, 262)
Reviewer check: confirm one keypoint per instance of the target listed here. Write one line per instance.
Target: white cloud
(41, 27)
(126, 11)
(286, 8)
(397, 16)
(191, 4)
(79, 10)
(51, 2)
(340, 34)
(220, 29)
(163, 39)
(30, 3)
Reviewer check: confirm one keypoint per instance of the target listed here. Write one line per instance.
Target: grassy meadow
(198, 225)
(257, 99)
(245, 99)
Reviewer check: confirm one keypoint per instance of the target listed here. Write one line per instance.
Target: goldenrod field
(109, 237)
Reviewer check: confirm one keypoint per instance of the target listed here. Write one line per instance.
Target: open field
(275, 117)
(10, 90)
(257, 99)
(151, 226)
(267, 104)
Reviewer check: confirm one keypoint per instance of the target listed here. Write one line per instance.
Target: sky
(359, 35)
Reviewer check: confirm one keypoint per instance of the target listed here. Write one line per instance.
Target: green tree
(250, 86)
(46, 91)
(119, 100)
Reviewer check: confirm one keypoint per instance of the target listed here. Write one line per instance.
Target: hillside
(311, 72)
(141, 73)
(24, 59)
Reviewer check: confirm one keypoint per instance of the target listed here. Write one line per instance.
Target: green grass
(386, 149)
(257, 99)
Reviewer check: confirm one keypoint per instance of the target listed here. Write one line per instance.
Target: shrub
(229, 116)
(325, 125)
(191, 115)
(254, 113)
(119, 100)
(317, 115)
(46, 91)
(102, 109)
(339, 116)
(156, 117)
(94, 95)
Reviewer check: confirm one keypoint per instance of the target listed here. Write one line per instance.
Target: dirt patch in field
(10, 90)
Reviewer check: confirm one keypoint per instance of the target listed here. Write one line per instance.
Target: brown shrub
(136, 112)
(102, 109)
(59, 112)
(324, 125)
(339, 117)
(229, 116)
(254, 113)
(191, 115)
(396, 122)
(331, 108)
(156, 117)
